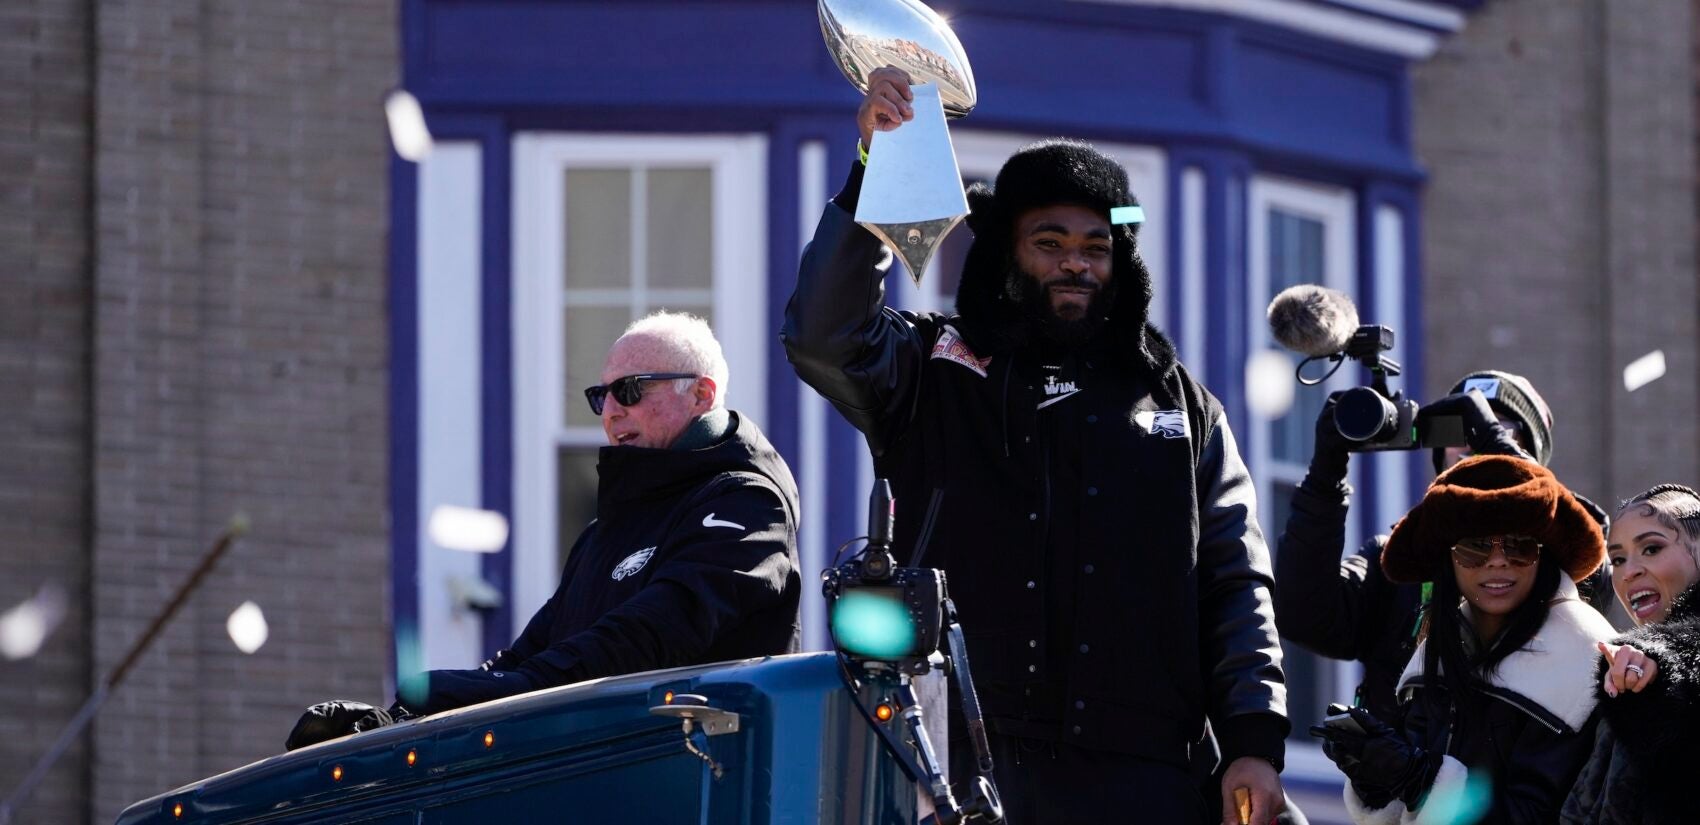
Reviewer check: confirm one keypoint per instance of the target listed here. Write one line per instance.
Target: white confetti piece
(26, 626)
(1644, 370)
(1269, 384)
(247, 627)
(468, 529)
(407, 126)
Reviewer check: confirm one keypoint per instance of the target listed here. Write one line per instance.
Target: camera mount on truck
(888, 624)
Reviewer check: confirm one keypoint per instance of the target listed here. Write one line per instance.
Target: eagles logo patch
(1166, 423)
(631, 564)
(952, 348)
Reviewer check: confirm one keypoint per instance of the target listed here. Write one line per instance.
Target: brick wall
(241, 366)
(1559, 224)
(44, 380)
(199, 330)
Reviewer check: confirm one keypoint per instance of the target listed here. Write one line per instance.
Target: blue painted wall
(1229, 96)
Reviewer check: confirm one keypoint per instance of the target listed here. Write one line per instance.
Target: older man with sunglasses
(692, 556)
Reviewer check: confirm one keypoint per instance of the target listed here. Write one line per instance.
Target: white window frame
(981, 154)
(1336, 209)
(740, 301)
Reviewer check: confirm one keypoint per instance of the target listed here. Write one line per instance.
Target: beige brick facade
(1559, 224)
(195, 325)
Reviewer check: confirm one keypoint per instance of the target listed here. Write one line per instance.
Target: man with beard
(1080, 489)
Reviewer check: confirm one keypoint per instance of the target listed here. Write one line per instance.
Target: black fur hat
(1048, 173)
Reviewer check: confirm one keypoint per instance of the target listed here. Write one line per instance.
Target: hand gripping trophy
(912, 193)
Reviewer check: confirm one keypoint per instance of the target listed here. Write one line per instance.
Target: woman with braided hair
(1649, 688)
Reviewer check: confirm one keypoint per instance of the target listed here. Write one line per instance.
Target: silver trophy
(911, 191)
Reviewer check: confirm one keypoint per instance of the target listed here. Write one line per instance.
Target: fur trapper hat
(1493, 495)
(1049, 173)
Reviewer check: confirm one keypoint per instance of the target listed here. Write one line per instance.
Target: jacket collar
(1554, 672)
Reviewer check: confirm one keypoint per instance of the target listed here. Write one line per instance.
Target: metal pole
(91, 706)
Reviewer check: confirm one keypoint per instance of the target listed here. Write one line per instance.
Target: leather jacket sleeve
(1334, 607)
(1247, 694)
(843, 341)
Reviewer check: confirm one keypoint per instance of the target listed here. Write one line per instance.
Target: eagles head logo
(631, 564)
(1166, 423)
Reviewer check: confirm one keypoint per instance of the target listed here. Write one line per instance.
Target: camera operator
(1348, 609)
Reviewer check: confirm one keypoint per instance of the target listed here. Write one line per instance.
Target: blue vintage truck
(781, 741)
(829, 737)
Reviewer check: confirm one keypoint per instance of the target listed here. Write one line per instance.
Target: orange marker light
(177, 810)
(336, 774)
(412, 757)
(489, 739)
(883, 712)
(667, 698)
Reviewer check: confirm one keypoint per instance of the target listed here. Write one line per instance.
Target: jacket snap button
(1085, 648)
(1079, 705)
(1091, 491)
(1092, 419)
(1031, 585)
(1077, 730)
(1088, 568)
(1032, 668)
(1032, 516)
(1032, 642)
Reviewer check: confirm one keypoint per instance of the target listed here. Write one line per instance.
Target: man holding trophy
(1082, 492)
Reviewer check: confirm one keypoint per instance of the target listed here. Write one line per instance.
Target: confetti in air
(1644, 370)
(247, 627)
(26, 626)
(1269, 384)
(407, 126)
(468, 529)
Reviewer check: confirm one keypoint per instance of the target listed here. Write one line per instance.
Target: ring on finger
(1635, 669)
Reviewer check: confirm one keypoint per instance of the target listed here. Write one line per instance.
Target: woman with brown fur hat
(1502, 685)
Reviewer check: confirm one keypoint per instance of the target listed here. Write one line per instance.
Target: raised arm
(838, 333)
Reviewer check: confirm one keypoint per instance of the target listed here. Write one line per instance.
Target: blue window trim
(404, 411)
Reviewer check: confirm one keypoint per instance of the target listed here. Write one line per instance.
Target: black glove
(1482, 429)
(1382, 765)
(1328, 463)
(329, 720)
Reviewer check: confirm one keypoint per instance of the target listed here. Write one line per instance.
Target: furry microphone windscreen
(1312, 320)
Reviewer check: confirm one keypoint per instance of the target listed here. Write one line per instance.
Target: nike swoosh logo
(710, 521)
(1049, 402)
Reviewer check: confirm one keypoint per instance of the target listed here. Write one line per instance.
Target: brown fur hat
(1493, 495)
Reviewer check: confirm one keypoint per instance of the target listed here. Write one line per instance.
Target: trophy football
(911, 190)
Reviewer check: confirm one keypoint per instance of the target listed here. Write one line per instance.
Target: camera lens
(1362, 414)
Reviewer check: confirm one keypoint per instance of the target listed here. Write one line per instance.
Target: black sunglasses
(627, 390)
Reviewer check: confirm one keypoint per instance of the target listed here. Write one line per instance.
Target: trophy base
(915, 242)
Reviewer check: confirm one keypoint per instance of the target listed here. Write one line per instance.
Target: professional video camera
(887, 624)
(1322, 324)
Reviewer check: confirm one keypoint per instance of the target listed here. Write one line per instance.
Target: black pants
(1044, 782)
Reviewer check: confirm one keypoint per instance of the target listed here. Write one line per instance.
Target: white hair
(693, 345)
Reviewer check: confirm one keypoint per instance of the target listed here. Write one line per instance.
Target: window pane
(589, 332)
(575, 489)
(599, 228)
(1295, 257)
(1310, 687)
(680, 233)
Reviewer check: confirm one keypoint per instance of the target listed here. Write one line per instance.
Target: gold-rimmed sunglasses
(1521, 551)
